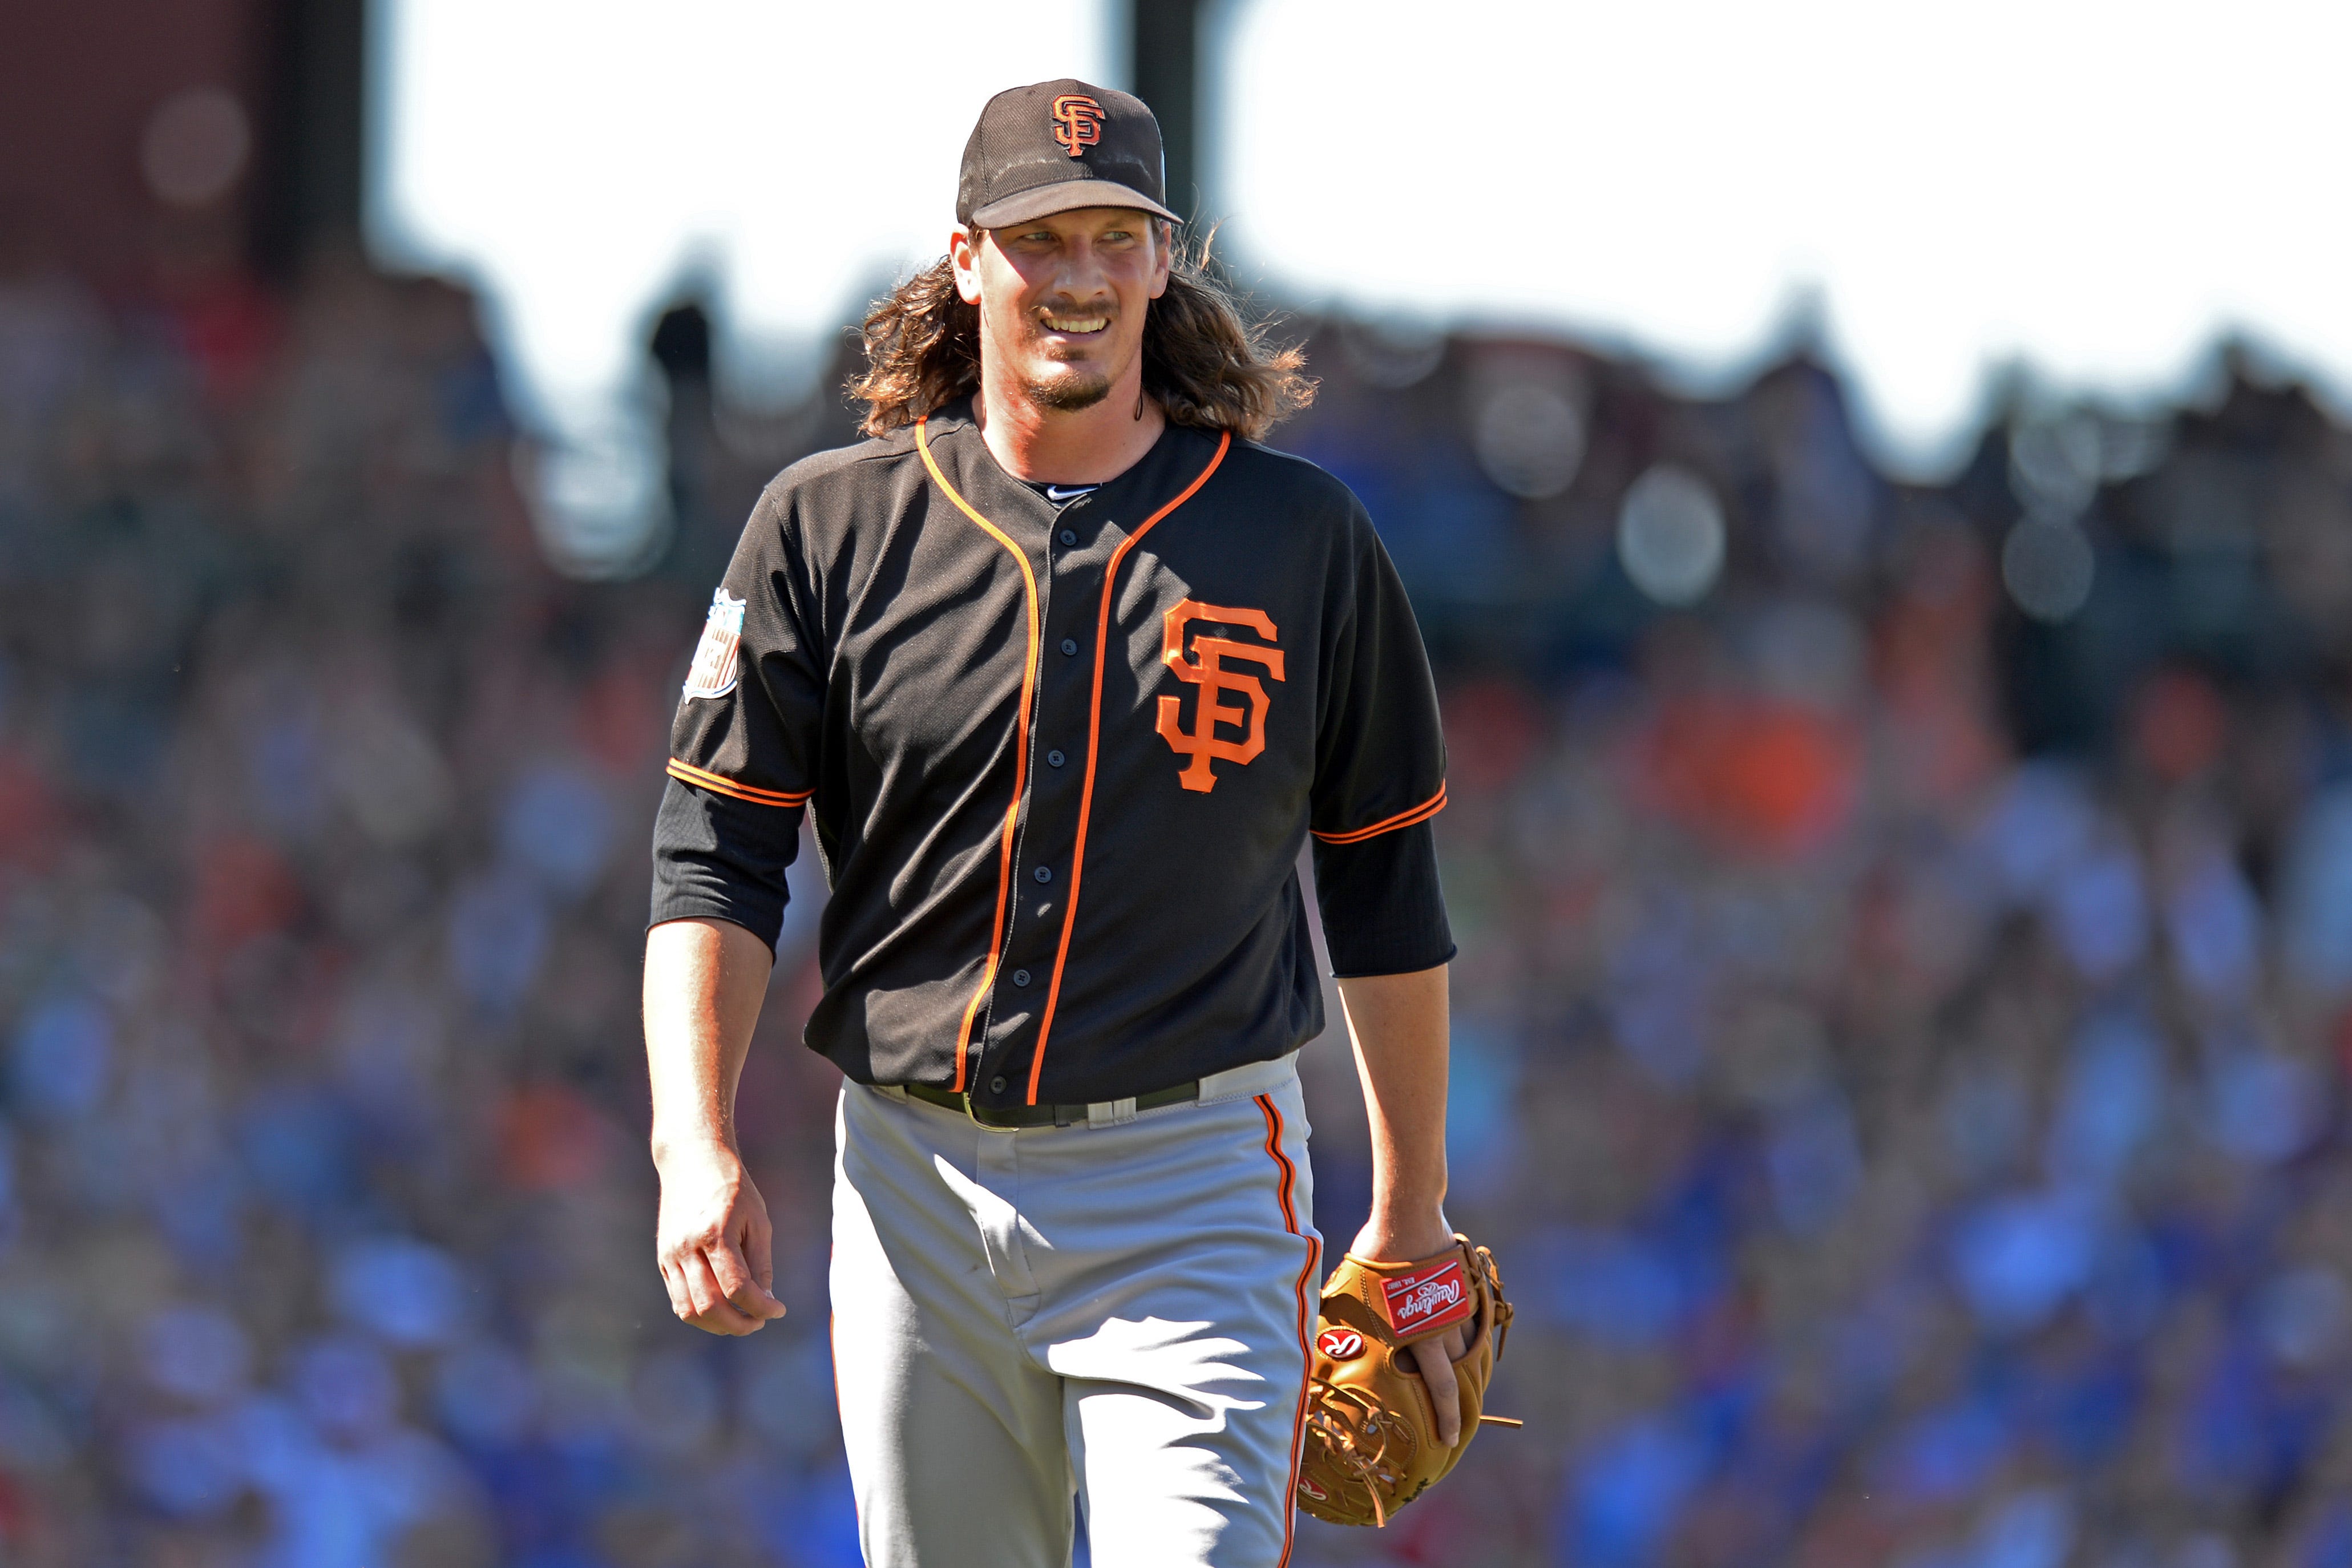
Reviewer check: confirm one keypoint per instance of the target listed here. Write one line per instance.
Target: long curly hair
(1206, 363)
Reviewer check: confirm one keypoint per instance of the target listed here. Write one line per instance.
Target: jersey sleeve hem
(1373, 969)
(1383, 906)
(765, 922)
(721, 858)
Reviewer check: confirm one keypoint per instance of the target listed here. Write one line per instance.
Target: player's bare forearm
(705, 980)
(1397, 1023)
(704, 983)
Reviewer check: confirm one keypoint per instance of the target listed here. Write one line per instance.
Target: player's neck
(1066, 445)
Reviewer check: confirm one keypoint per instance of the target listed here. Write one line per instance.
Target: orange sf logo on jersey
(1077, 121)
(1206, 670)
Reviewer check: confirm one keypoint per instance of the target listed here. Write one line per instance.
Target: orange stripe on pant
(1305, 1316)
(1147, 1356)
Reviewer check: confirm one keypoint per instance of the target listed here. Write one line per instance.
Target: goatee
(1068, 395)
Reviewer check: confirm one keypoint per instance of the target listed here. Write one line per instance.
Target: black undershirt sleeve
(723, 859)
(1384, 911)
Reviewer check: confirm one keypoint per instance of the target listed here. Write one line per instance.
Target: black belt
(1043, 1115)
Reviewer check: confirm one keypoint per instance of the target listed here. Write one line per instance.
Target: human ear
(1163, 262)
(963, 252)
(1163, 233)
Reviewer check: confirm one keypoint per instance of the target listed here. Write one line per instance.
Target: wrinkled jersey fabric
(1061, 761)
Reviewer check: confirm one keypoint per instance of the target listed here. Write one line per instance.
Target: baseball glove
(1371, 1432)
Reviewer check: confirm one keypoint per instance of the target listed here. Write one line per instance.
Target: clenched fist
(713, 1241)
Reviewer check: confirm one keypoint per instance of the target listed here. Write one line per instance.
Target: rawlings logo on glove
(1372, 1430)
(1427, 1302)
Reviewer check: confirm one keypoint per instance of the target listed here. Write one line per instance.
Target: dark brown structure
(1164, 45)
(81, 84)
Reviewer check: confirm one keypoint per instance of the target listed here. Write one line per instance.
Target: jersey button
(1069, 536)
(1019, 977)
(996, 1084)
(1043, 873)
(1070, 646)
(1056, 758)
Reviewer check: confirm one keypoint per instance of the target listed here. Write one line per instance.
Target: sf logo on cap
(1206, 670)
(1077, 121)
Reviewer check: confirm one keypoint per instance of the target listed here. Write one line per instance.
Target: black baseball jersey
(1062, 759)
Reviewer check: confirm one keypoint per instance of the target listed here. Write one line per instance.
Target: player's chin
(1067, 388)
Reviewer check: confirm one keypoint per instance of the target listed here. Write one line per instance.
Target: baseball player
(1066, 669)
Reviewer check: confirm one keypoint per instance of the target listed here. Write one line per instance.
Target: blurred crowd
(1904, 930)
(1900, 1024)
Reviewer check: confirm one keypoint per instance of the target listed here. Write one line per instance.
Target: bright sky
(2096, 189)
(581, 157)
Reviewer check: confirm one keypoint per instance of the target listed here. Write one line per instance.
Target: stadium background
(1900, 1036)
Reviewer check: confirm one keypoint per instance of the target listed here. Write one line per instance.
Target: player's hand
(1384, 1239)
(713, 1241)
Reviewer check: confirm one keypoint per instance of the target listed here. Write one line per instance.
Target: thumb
(740, 1285)
(758, 1252)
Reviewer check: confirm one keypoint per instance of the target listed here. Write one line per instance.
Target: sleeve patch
(716, 657)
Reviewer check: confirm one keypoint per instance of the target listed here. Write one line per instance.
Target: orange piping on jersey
(717, 784)
(1020, 756)
(1094, 738)
(1421, 813)
(1306, 1318)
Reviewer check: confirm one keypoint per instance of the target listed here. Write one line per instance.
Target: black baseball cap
(1056, 145)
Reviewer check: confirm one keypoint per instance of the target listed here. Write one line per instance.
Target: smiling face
(1062, 301)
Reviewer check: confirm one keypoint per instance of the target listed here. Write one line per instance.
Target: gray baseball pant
(1117, 1310)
